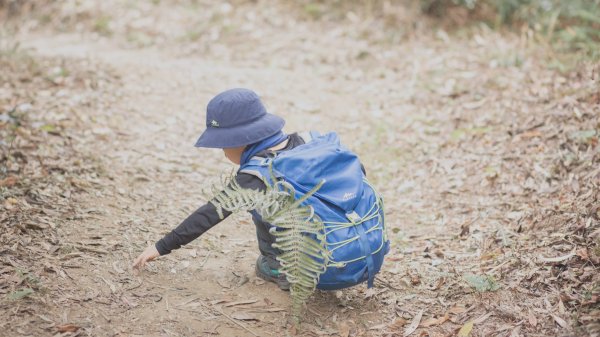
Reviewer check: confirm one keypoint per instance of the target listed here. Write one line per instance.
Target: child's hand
(148, 255)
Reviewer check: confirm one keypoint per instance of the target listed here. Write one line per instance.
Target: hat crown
(234, 107)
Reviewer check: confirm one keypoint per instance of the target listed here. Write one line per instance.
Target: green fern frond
(298, 231)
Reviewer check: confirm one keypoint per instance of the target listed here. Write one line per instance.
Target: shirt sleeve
(203, 219)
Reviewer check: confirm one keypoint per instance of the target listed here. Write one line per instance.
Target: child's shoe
(272, 275)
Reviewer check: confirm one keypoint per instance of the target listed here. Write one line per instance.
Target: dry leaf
(561, 307)
(371, 292)
(344, 329)
(414, 323)
(440, 282)
(457, 310)
(560, 321)
(243, 316)
(556, 259)
(377, 327)
(435, 321)
(67, 328)
(583, 254)
(532, 320)
(515, 331)
(465, 331)
(415, 279)
(116, 268)
(482, 318)
(231, 304)
(397, 324)
(9, 181)
(274, 309)
(531, 134)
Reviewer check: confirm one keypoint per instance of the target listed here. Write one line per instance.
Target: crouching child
(320, 183)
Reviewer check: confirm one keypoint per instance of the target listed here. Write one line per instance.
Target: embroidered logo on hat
(214, 123)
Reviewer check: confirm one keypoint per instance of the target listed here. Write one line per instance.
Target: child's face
(234, 154)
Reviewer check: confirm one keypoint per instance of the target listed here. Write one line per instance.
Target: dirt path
(156, 176)
(464, 137)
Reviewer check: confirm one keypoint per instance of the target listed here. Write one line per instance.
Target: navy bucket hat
(237, 117)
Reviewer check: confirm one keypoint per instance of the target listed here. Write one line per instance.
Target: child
(237, 122)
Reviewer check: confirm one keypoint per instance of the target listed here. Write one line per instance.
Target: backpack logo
(347, 196)
(214, 123)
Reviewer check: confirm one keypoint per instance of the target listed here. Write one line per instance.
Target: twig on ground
(498, 266)
(205, 259)
(387, 284)
(236, 322)
(90, 249)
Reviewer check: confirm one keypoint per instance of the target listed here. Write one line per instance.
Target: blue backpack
(349, 207)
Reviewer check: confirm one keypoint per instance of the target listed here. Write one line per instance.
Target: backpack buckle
(353, 217)
(266, 161)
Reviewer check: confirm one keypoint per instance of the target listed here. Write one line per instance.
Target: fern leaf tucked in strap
(298, 231)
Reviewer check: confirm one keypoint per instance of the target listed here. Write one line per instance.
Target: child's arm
(203, 219)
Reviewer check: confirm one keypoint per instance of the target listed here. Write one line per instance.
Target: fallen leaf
(116, 268)
(583, 254)
(435, 321)
(583, 135)
(371, 292)
(8, 181)
(475, 105)
(482, 283)
(415, 279)
(231, 304)
(457, 310)
(221, 300)
(561, 307)
(532, 320)
(129, 302)
(397, 324)
(465, 331)
(440, 282)
(531, 134)
(465, 229)
(344, 329)
(377, 327)
(19, 294)
(243, 316)
(560, 321)
(274, 309)
(414, 324)
(67, 328)
(556, 259)
(482, 318)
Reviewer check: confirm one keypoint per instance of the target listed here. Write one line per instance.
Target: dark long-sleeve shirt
(205, 217)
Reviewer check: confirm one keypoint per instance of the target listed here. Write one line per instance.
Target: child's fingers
(137, 262)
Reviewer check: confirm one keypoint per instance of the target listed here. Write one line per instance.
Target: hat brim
(222, 138)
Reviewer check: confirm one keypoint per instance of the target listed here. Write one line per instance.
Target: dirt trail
(156, 176)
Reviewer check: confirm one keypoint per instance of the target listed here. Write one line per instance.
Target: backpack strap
(364, 244)
(252, 167)
(251, 172)
(255, 161)
(307, 136)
